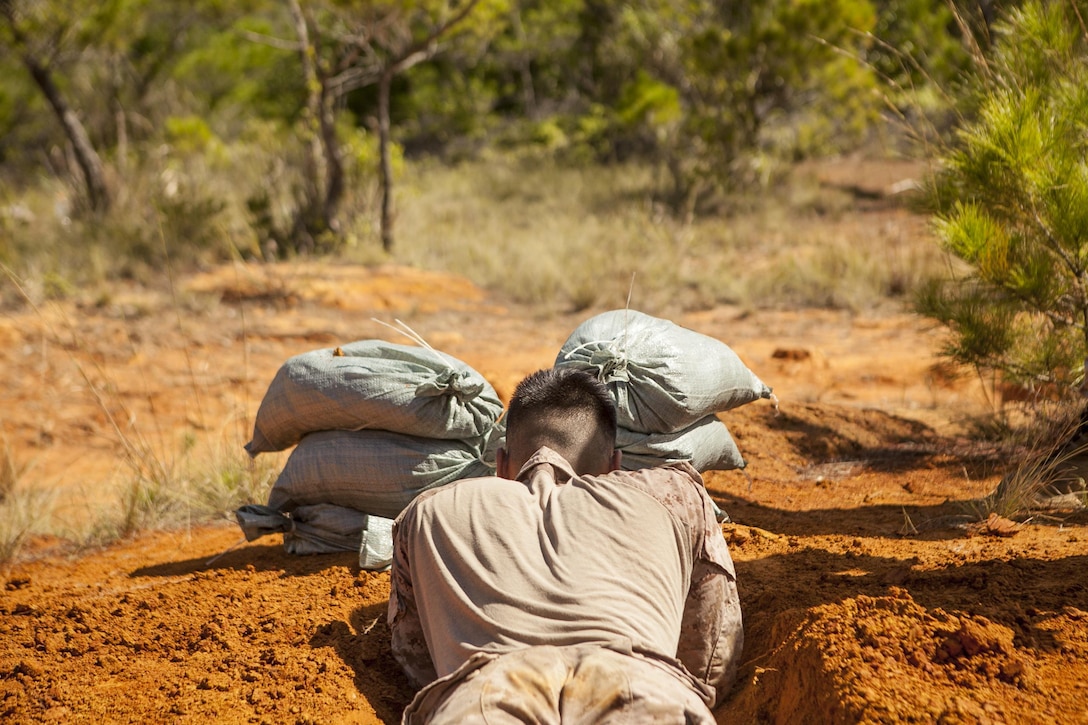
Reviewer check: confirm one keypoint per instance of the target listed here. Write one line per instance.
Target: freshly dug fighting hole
(881, 659)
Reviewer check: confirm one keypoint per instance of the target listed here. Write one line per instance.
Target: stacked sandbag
(374, 385)
(706, 444)
(375, 471)
(374, 424)
(669, 384)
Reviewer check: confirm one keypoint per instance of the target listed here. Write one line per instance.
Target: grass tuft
(22, 508)
(1053, 463)
(162, 487)
(187, 491)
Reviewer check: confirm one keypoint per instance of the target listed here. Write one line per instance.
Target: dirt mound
(867, 597)
(168, 628)
(862, 661)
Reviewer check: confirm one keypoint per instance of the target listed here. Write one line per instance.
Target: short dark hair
(566, 409)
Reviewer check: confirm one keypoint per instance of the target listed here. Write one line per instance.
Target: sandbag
(323, 529)
(663, 377)
(707, 445)
(374, 471)
(375, 385)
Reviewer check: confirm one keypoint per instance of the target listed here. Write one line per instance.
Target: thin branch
(1051, 239)
(270, 41)
(1053, 316)
(426, 47)
(354, 78)
(1080, 19)
(1076, 271)
(412, 59)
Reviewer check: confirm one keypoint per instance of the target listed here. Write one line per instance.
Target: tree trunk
(122, 136)
(334, 167)
(313, 105)
(94, 175)
(1084, 370)
(522, 63)
(386, 161)
(90, 164)
(328, 169)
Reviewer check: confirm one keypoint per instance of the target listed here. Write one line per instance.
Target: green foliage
(647, 100)
(775, 79)
(443, 106)
(234, 68)
(529, 64)
(919, 45)
(718, 95)
(1011, 200)
(20, 104)
(189, 134)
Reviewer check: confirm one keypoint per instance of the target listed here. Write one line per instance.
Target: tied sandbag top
(374, 385)
(611, 364)
(458, 383)
(663, 377)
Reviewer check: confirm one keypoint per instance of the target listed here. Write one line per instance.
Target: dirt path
(866, 598)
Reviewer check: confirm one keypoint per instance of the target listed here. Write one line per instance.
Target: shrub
(1010, 199)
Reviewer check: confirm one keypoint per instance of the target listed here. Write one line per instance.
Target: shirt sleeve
(408, 643)
(711, 632)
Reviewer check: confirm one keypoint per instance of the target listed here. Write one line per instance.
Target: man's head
(566, 409)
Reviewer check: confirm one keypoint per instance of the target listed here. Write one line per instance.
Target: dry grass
(1050, 469)
(572, 239)
(186, 491)
(548, 235)
(162, 486)
(22, 509)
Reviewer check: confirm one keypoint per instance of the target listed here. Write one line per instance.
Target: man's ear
(501, 462)
(617, 459)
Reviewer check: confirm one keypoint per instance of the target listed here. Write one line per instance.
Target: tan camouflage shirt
(631, 560)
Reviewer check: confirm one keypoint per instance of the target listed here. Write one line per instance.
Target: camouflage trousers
(575, 684)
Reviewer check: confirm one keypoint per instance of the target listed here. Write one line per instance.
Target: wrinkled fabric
(322, 529)
(706, 444)
(553, 685)
(631, 561)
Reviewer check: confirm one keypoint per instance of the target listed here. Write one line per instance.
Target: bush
(1011, 201)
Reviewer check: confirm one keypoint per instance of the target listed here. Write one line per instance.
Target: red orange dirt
(867, 597)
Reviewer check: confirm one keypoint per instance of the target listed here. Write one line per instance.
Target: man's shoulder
(436, 496)
(681, 475)
(678, 486)
(679, 489)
